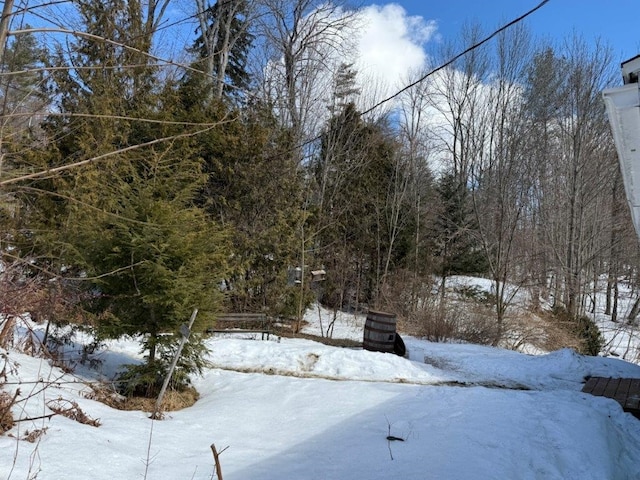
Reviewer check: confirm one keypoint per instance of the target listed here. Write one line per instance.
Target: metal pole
(185, 337)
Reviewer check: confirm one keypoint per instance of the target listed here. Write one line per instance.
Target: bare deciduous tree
(305, 41)
(501, 171)
(222, 26)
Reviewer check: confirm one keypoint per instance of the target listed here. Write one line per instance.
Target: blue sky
(614, 21)
(412, 26)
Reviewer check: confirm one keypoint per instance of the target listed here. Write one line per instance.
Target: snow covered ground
(298, 409)
(621, 340)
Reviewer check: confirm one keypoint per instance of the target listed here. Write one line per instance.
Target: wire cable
(430, 73)
(458, 56)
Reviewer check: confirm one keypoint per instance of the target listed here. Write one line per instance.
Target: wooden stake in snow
(216, 459)
(185, 331)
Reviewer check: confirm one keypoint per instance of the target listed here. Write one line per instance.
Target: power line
(458, 56)
(369, 110)
(433, 71)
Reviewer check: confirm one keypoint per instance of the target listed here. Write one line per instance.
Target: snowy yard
(297, 409)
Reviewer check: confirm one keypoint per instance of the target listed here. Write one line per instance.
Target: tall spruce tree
(222, 47)
(125, 231)
(354, 173)
(457, 248)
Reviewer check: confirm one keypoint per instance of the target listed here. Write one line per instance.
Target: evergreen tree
(354, 173)
(20, 98)
(150, 261)
(455, 230)
(222, 48)
(345, 89)
(254, 188)
(20, 134)
(124, 231)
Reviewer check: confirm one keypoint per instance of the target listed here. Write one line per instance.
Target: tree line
(135, 189)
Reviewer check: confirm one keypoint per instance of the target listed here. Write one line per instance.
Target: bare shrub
(6, 400)
(7, 328)
(43, 298)
(524, 329)
(441, 321)
(16, 290)
(432, 322)
(404, 293)
(422, 312)
(478, 326)
(467, 314)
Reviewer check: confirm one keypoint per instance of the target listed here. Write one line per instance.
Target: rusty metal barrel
(379, 332)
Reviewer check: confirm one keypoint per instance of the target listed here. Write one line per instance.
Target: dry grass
(524, 329)
(558, 334)
(172, 401)
(71, 410)
(105, 394)
(33, 435)
(6, 417)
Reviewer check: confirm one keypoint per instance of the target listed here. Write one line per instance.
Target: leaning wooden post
(185, 331)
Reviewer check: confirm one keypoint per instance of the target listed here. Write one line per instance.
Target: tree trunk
(607, 308)
(614, 312)
(633, 314)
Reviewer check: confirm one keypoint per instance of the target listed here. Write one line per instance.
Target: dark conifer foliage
(224, 47)
(458, 249)
(123, 226)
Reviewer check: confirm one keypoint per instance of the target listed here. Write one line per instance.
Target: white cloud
(391, 45)
(384, 44)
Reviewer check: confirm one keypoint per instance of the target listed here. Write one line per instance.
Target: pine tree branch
(118, 117)
(98, 38)
(88, 161)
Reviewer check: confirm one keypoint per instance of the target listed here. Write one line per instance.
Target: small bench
(625, 391)
(242, 323)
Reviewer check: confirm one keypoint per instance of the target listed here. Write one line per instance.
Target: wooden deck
(625, 391)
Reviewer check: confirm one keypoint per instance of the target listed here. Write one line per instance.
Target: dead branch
(216, 459)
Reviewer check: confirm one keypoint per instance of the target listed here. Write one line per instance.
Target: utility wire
(369, 110)
(458, 56)
(431, 72)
